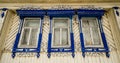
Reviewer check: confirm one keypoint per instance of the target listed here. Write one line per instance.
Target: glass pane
(87, 36)
(32, 22)
(56, 37)
(85, 23)
(91, 31)
(64, 36)
(86, 31)
(25, 36)
(93, 23)
(33, 37)
(89, 22)
(60, 22)
(96, 37)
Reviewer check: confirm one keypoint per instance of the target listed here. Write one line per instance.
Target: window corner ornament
(116, 10)
(88, 18)
(59, 17)
(3, 12)
(26, 31)
(61, 7)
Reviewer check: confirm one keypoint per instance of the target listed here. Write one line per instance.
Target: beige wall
(114, 28)
(11, 26)
(4, 30)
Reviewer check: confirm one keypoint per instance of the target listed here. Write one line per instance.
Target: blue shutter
(22, 14)
(98, 14)
(60, 13)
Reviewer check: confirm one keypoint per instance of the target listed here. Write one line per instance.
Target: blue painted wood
(116, 10)
(103, 36)
(3, 13)
(63, 14)
(30, 13)
(72, 44)
(98, 14)
(22, 14)
(90, 13)
(49, 44)
(60, 13)
(50, 39)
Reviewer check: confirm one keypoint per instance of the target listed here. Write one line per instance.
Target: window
(91, 32)
(61, 32)
(30, 32)
(92, 36)
(61, 36)
(29, 36)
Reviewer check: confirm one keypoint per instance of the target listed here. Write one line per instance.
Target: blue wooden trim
(72, 38)
(90, 13)
(50, 38)
(104, 41)
(71, 24)
(20, 25)
(60, 13)
(51, 24)
(82, 44)
(3, 12)
(103, 36)
(39, 44)
(116, 10)
(117, 13)
(41, 24)
(80, 24)
(30, 13)
(4, 9)
(23, 14)
(72, 44)
(40, 39)
(2, 15)
(15, 45)
(81, 38)
(49, 44)
(98, 14)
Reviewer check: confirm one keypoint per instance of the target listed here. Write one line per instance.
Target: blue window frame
(26, 30)
(55, 15)
(94, 14)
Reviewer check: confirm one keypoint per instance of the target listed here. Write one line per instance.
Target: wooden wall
(114, 22)
(5, 29)
(109, 29)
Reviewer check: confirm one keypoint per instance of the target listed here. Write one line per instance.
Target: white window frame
(62, 46)
(101, 43)
(23, 27)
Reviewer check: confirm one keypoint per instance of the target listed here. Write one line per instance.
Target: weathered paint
(6, 58)
(5, 29)
(61, 57)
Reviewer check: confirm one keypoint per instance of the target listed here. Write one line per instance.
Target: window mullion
(91, 34)
(53, 39)
(28, 42)
(60, 36)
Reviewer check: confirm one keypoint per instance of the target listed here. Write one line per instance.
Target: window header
(30, 13)
(60, 13)
(90, 13)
